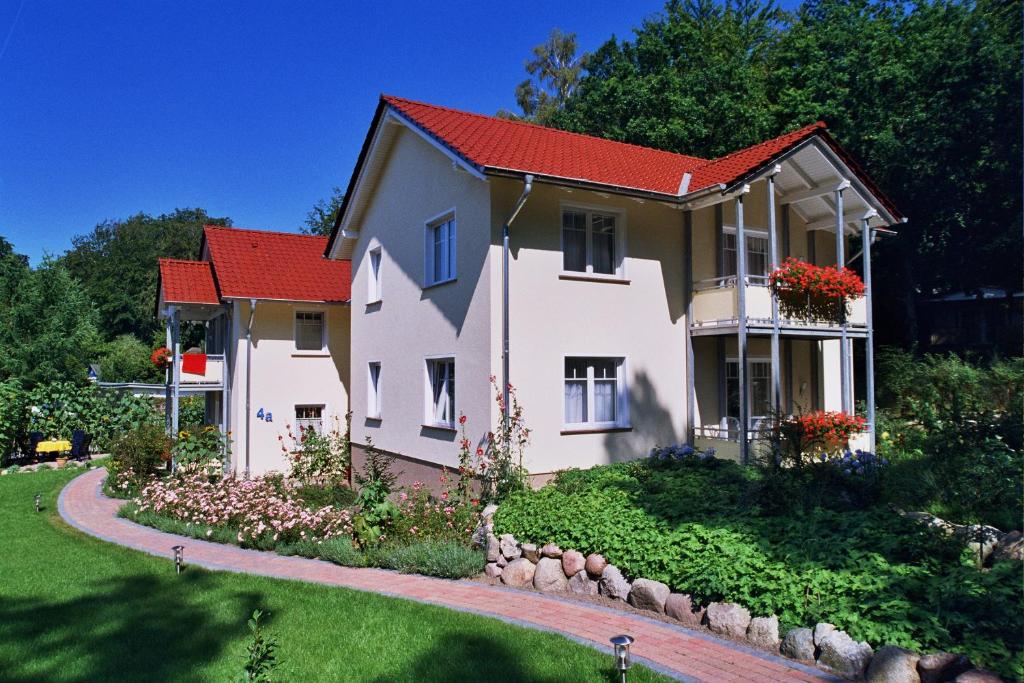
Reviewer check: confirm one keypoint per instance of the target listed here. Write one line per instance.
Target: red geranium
(161, 358)
(805, 290)
(831, 430)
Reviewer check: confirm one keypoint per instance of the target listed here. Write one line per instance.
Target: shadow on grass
(130, 628)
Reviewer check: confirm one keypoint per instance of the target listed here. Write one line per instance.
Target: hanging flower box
(814, 292)
(161, 358)
(827, 430)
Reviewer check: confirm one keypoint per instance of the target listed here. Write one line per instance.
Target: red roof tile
(187, 282)
(276, 265)
(500, 144)
(735, 165)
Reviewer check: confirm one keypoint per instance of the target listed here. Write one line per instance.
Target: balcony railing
(212, 377)
(716, 304)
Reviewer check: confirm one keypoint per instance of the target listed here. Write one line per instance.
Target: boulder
(820, 631)
(680, 607)
(613, 584)
(979, 538)
(551, 550)
(492, 570)
(530, 552)
(573, 562)
(595, 565)
(519, 573)
(493, 548)
(488, 513)
(727, 619)
(893, 665)
(509, 548)
(502, 562)
(799, 644)
(647, 594)
(1009, 547)
(978, 676)
(549, 577)
(941, 666)
(843, 656)
(763, 633)
(581, 584)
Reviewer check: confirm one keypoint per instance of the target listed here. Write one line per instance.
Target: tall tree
(555, 70)
(320, 219)
(117, 265)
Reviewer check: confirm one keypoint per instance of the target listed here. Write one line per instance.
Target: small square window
(595, 392)
(309, 331)
(441, 392)
(591, 242)
(309, 418)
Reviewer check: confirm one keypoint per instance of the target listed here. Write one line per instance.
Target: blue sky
(252, 110)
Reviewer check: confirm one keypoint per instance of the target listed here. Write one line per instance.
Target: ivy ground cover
(724, 532)
(73, 608)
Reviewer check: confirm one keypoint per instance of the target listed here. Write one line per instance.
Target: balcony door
(757, 253)
(759, 397)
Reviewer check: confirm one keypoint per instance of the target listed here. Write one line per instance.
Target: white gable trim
(395, 115)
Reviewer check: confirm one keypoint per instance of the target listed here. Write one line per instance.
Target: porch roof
(187, 282)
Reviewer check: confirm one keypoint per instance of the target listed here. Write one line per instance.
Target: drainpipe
(248, 383)
(527, 188)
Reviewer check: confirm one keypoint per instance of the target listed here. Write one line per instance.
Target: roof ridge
(260, 231)
(817, 125)
(168, 259)
(390, 98)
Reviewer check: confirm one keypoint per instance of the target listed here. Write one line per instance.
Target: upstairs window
(373, 289)
(591, 242)
(309, 331)
(595, 392)
(439, 251)
(757, 252)
(441, 392)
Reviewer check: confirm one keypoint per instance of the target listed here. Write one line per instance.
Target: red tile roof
(187, 282)
(500, 144)
(733, 166)
(276, 265)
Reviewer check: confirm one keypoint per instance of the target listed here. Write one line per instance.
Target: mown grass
(73, 608)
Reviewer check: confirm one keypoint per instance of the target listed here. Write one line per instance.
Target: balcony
(211, 379)
(716, 311)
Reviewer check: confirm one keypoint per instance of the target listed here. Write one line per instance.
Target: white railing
(214, 374)
(716, 304)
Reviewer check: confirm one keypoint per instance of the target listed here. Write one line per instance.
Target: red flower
(462, 419)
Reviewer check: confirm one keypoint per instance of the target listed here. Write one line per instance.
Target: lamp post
(179, 557)
(622, 660)
(39, 502)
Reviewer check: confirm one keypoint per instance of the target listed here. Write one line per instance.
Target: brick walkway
(673, 650)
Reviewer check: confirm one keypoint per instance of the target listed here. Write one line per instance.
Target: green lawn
(73, 608)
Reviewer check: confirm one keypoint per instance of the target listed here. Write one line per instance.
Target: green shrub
(444, 559)
(12, 417)
(192, 410)
(316, 497)
(59, 408)
(197, 446)
(142, 450)
(340, 550)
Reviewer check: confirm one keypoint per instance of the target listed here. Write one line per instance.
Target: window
(440, 392)
(759, 377)
(757, 252)
(595, 393)
(439, 252)
(373, 290)
(373, 391)
(309, 331)
(590, 242)
(309, 418)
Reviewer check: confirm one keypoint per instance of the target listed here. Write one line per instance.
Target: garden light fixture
(179, 557)
(39, 502)
(622, 660)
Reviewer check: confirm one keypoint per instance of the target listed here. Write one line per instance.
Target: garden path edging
(669, 649)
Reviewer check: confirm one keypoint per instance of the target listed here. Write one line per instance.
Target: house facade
(600, 280)
(275, 322)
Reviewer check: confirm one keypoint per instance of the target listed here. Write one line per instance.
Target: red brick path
(676, 651)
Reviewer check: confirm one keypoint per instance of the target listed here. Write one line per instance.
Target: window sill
(584, 277)
(432, 285)
(569, 431)
(441, 427)
(310, 354)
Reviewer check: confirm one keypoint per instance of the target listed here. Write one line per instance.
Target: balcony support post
(168, 372)
(225, 391)
(844, 346)
(741, 313)
(176, 374)
(869, 343)
(773, 263)
(691, 395)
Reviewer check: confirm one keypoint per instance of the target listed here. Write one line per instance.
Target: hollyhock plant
(808, 291)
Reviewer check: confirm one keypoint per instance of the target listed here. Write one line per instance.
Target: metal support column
(741, 314)
(869, 343)
(844, 348)
(773, 263)
(691, 392)
(176, 374)
(168, 372)
(225, 393)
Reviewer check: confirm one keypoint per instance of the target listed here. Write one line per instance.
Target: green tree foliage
(126, 359)
(117, 265)
(48, 326)
(927, 95)
(555, 70)
(320, 219)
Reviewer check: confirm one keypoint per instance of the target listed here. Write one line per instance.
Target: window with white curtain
(440, 410)
(373, 391)
(309, 331)
(757, 251)
(439, 251)
(595, 392)
(373, 289)
(591, 242)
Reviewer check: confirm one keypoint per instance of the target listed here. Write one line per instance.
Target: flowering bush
(502, 462)
(322, 459)
(161, 358)
(681, 452)
(444, 517)
(858, 463)
(199, 447)
(808, 291)
(258, 511)
(827, 430)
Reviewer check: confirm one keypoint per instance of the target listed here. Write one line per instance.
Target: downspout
(527, 188)
(248, 383)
